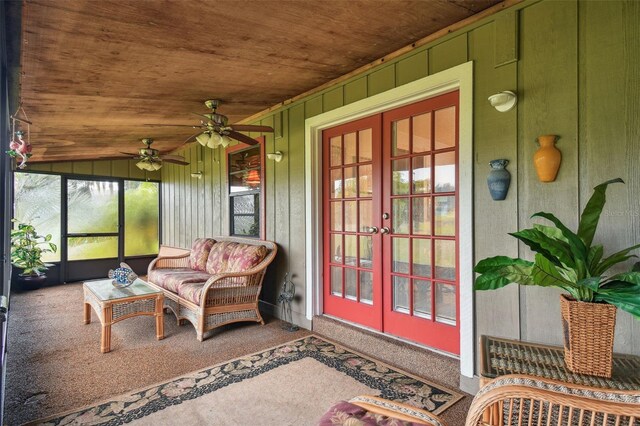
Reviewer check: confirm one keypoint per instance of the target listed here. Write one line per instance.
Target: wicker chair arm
(508, 400)
(180, 261)
(396, 410)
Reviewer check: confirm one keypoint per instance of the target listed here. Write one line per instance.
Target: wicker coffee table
(113, 304)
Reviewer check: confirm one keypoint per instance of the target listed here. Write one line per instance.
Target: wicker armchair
(519, 400)
(225, 297)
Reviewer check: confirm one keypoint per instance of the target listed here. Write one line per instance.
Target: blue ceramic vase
(499, 179)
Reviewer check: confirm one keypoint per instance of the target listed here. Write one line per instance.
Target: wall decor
(547, 158)
(498, 179)
(503, 101)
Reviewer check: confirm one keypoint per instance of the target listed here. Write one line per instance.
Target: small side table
(502, 356)
(113, 304)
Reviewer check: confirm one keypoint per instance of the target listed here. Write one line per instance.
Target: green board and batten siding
(104, 168)
(575, 67)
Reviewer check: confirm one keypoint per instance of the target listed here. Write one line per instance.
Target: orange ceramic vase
(547, 158)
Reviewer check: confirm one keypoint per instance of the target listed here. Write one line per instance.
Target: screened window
(245, 189)
(141, 218)
(37, 202)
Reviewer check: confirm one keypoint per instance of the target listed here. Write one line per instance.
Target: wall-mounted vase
(499, 179)
(547, 158)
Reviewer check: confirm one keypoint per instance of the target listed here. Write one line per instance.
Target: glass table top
(104, 290)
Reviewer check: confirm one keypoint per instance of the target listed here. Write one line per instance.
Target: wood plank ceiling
(94, 72)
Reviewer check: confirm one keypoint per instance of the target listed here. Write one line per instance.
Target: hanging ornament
(20, 145)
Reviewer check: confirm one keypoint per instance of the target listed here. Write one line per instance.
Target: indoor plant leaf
(545, 274)
(591, 213)
(594, 256)
(622, 294)
(628, 277)
(576, 245)
(502, 276)
(557, 252)
(614, 259)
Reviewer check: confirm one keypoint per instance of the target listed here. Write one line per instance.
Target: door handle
(384, 230)
(372, 229)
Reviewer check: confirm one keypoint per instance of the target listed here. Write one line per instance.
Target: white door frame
(459, 77)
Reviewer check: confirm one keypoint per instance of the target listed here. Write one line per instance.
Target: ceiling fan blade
(174, 161)
(251, 128)
(129, 153)
(172, 157)
(242, 138)
(202, 116)
(189, 139)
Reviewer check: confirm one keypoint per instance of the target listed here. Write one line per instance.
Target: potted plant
(570, 261)
(27, 248)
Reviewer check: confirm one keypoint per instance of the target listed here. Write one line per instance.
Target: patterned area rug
(297, 379)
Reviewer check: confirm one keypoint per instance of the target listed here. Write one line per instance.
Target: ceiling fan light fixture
(141, 165)
(214, 140)
(203, 138)
(225, 141)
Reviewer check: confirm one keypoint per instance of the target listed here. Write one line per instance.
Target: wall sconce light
(275, 156)
(196, 175)
(503, 101)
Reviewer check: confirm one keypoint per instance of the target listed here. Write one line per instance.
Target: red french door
(390, 226)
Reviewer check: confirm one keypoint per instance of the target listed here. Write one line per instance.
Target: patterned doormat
(277, 378)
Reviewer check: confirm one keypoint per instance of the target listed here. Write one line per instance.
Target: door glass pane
(445, 128)
(366, 251)
(445, 216)
(421, 257)
(365, 215)
(400, 137)
(92, 206)
(336, 280)
(422, 132)
(83, 248)
(445, 259)
(335, 148)
(421, 215)
(401, 294)
(350, 182)
(351, 216)
(350, 283)
(141, 217)
(336, 248)
(400, 177)
(366, 181)
(336, 216)
(400, 259)
(446, 303)
(400, 218)
(421, 174)
(366, 287)
(364, 145)
(445, 173)
(245, 215)
(422, 298)
(350, 250)
(336, 183)
(37, 203)
(350, 149)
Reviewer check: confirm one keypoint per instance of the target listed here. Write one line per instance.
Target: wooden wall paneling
(182, 208)
(609, 93)
(355, 90)
(548, 81)
(270, 171)
(412, 68)
(202, 210)
(506, 38)
(313, 106)
(219, 208)
(297, 225)
(495, 136)
(224, 193)
(102, 168)
(207, 206)
(382, 80)
(167, 225)
(120, 168)
(448, 54)
(192, 196)
(39, 167)
(63, 167)
(333, 99)
(82, 167)
(173, 207)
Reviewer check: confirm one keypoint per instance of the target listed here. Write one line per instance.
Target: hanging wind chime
(20, 145)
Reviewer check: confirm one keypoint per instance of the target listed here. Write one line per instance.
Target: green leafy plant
(569, 261)
(26, 249)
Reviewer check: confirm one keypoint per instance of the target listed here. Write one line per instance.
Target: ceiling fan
(151, 159)
(216, 130)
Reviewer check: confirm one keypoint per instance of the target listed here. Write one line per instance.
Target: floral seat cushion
(234, 257)
(200, 253)
(173, 279)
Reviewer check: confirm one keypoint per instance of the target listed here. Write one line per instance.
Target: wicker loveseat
(217, 282)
